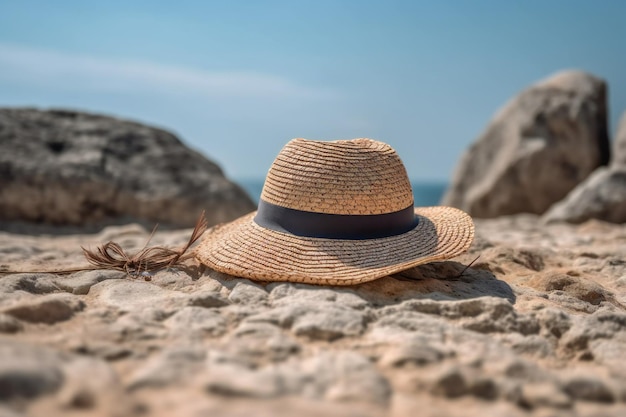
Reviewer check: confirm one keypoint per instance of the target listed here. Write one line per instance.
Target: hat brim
(244, 249)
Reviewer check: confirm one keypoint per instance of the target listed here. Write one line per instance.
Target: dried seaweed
(148, 260)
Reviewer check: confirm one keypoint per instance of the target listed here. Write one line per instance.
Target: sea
(425, 193)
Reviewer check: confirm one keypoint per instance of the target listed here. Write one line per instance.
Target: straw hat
(337, 213)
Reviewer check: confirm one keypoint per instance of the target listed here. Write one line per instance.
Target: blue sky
(238, 79)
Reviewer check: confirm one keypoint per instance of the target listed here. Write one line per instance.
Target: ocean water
(425, 193)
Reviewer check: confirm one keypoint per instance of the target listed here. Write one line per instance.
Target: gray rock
(248, 293)
(67, 167)
(207, 299)
(129, 295)
(416, 354)
(191, 321)
(530, 346)
(39, 283)
(588, 388)
(9, 324)
(602, 196)
(258, 341)
(482, 314)
(81, 282)
(170, 367)
(618, 157)
(322, 321)
(338, 377)
(63, 383)
(282, 293)
(601, 325)
(544, 394)
(536, 149)
(142, 324)
(342, 376)
(450, 382)
(27, 372)
(232, 380)
(50, 308)
(554, 323)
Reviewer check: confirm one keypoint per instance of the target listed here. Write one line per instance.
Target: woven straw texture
(244, 249)
(355, 177)
(359, 176)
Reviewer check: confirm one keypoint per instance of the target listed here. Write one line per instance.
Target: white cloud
(71, 72)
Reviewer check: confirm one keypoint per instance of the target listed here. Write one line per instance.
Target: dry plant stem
(467, 266)
(404, 277)
(149, 259)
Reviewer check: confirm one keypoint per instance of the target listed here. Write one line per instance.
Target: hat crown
(354, 177)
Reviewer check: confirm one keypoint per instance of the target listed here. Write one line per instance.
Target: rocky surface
(74, 168)
(537, 148)
(602, 195)
(618, 157)
(535, 327)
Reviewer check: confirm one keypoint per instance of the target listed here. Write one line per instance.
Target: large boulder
(536, 149)
(73, 168)
(618, 158)
(602, 196)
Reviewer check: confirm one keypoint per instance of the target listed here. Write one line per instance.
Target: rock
(588, 388)
(553, 323)
(48, 309)
(544, 394)
(63, 383)
(601, 325)
(248, 293)
(337, 377)
(618, 157)
(130, 295)
(578, 287)
(602, 196)
(483, 314)
(81, 282)
(9, 324)
(451, 383)
(320, 321)
(411, 355)
(536, 149)
(256, 342)
(531, 345)
(39, 283)
(27, 372)
(170, 367)
(208, 299)
(344, 376)
(191, 321)
(67, 167)
(284, 293)
(231, 380)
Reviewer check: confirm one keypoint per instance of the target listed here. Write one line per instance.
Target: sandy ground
(536, 326)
